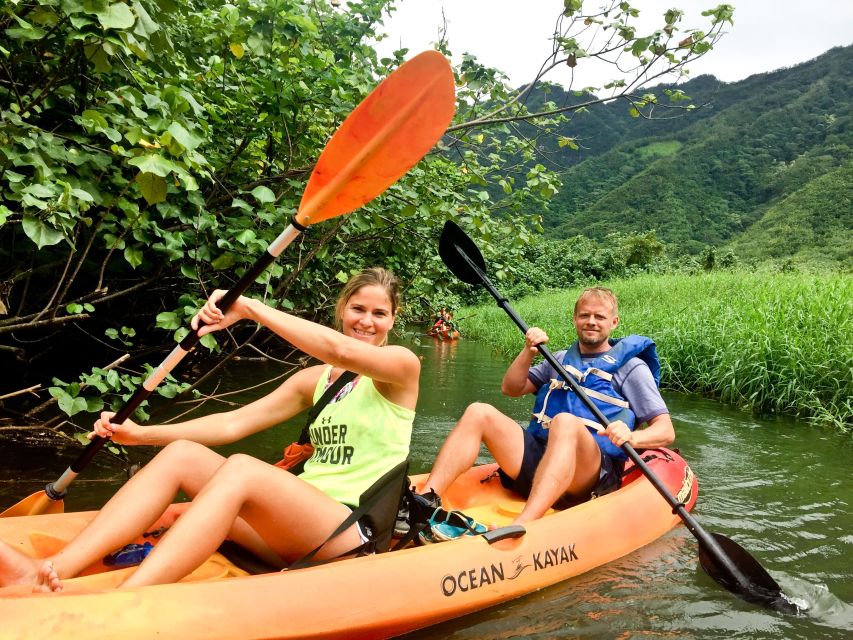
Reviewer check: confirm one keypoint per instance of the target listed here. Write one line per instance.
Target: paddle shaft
(56, 490)
(702, 536)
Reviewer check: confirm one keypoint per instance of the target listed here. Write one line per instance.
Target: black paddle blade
(453, 246)
(762, 588)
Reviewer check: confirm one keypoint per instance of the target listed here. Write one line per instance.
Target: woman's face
(367, 315)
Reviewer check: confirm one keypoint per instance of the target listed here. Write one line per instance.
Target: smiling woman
(366, 304)
(277, 515)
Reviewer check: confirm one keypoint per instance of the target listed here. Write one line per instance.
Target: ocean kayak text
(476, 577)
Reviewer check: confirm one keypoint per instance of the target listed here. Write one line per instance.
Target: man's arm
(640, 390)
(516, 382)
(659, 432)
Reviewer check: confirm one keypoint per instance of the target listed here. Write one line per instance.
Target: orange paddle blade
(385, 136)
(34, 505)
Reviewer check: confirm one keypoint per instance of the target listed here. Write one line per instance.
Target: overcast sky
(513, 35)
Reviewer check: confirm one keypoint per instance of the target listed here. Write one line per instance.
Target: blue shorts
(609, 475)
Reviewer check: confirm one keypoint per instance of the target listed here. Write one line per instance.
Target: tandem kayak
(376, 596)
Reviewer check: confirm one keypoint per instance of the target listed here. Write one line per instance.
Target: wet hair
(602, 294)
(371, 277)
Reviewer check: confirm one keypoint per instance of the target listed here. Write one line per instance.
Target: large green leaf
(152, 187)
(116, 16)
(133, 255)
(153, 163)
(184, 137)
(91, 115)
(71, 405)
(144, 25)
(168, 320)
(40, 233)
(25, 31)
(263, 194)
(41, 190)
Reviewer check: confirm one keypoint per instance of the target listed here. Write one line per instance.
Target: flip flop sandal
(455, 524)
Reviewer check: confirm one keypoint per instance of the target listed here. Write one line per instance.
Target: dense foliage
(766, 341)
(151, 149)
(813, 224)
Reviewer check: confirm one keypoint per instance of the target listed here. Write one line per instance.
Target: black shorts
(609, 476)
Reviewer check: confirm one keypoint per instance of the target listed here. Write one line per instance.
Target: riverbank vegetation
(767, 341)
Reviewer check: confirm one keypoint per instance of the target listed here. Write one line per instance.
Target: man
(564, 456)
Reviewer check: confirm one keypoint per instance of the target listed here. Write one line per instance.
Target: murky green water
(781, 489)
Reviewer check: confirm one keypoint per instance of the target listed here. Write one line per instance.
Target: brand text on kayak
(476, 577)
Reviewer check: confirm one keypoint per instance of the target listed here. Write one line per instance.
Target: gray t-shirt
(633, 381)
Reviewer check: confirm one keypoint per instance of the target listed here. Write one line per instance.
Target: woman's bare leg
(181, 465)
(291, 516)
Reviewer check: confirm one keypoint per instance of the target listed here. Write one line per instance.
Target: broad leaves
(40, 233)
(116, 16)
(152, 187)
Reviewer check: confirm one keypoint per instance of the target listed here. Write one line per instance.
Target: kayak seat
(381, 502)
(376, 512)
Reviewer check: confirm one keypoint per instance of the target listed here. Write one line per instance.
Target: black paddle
(722, 558)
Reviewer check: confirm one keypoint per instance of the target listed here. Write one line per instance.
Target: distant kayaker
(564, 457)
(277, 515)
(444, 326)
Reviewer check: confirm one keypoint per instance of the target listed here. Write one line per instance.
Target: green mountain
(763, 167)
(813, 224)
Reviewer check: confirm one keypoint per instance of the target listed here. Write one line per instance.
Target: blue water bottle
(129, 555)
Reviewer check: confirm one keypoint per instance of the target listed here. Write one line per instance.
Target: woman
(277, 515)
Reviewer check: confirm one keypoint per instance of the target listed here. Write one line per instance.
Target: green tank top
(357, 438)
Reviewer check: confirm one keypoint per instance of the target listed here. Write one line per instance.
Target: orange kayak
(443, 334)
(376, 596)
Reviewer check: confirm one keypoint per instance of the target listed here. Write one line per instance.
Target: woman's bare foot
(48, 580)
(16, 567)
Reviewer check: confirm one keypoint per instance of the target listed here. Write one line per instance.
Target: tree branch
(38, 324)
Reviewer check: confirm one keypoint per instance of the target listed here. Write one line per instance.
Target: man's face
(594, 321)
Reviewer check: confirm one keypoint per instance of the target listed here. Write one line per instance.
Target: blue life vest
(596, 378)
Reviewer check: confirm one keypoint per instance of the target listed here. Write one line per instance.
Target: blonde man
(564, 456)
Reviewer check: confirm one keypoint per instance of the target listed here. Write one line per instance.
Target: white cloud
(514, 36)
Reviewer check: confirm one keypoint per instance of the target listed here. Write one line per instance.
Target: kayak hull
(369, 597)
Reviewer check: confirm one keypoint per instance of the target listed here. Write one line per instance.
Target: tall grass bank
(768, 342)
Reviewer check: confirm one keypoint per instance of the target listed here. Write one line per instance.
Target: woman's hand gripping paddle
(385, 136)
(722, 558)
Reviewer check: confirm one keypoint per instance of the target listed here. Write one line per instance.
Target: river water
(780, 488)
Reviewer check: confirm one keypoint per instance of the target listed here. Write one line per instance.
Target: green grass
(660, 149)
(774, 343)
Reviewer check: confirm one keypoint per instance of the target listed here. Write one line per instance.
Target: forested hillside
(762, 166)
